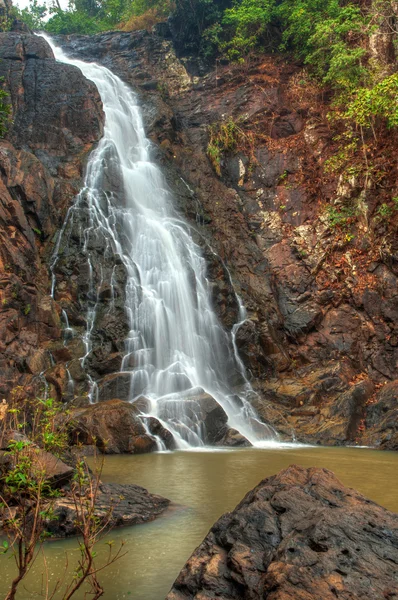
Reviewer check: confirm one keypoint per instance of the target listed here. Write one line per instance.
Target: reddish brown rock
(300, 534)
(56, 118)
(113, 426)
(311, 294)
(381, 422)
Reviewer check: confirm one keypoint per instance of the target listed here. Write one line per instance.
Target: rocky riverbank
(115, 505)
(298, 534)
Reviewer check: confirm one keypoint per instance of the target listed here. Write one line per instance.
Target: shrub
(227, 136)
(5, 111)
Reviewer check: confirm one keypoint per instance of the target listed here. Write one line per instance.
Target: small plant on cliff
(225, 137)
(28, 493)
(340, 217)
(5, 110)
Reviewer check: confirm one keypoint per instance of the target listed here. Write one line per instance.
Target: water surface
(205, 485)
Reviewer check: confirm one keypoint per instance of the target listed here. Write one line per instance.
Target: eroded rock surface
(300, 534)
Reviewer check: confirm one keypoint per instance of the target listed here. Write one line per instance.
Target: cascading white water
(176, 349)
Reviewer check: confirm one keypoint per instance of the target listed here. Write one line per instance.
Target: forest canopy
(347, 45)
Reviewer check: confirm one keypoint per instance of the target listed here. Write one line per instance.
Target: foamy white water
(176, 349)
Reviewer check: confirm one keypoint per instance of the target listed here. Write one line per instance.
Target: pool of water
(203, 485)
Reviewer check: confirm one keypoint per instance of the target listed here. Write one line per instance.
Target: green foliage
(248, 20)
(348, 145)
(82, 16)
(386, 211)
(5, 111)
(340, 217)
(139, 7)
(380, 101)
(330, 36)
(34, 15)
(325, 34)
(66, 22)
(224, 137)
(28, 495)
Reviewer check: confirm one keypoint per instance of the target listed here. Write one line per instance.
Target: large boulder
(299, 535)
(113, 426)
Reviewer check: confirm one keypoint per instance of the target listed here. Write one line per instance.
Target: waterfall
(177, 350)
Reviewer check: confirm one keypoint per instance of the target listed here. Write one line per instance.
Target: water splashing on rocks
(177, 354)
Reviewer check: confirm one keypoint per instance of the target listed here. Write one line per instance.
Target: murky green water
(205, 484)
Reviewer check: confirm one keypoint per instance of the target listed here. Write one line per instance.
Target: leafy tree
(66, 22)
(380, 101)
(327, 36)
(249, 21)
(34, 15)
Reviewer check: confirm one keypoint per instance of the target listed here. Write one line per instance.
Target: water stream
(176, 351)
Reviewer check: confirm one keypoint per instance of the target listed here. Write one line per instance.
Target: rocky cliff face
(322, 306)
(320, 340)
(56, 118)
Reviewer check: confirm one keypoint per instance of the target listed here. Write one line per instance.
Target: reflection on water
(205, 485)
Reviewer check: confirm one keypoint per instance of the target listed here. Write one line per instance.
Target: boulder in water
(201, 412)
(300, 534)
(113, 426)
(117, 505)
(234, 439)
(156, 428)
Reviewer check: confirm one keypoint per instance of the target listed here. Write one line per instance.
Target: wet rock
(113, 426)
(300, 533)
(286, 126)
(117, 505)
(56, 118)
(36, 76)
(203, 411)
(157, 429)
(234, 439)
(259, 349)
(104, 362)
(350, 407)
(323, 406)
(116, 385)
